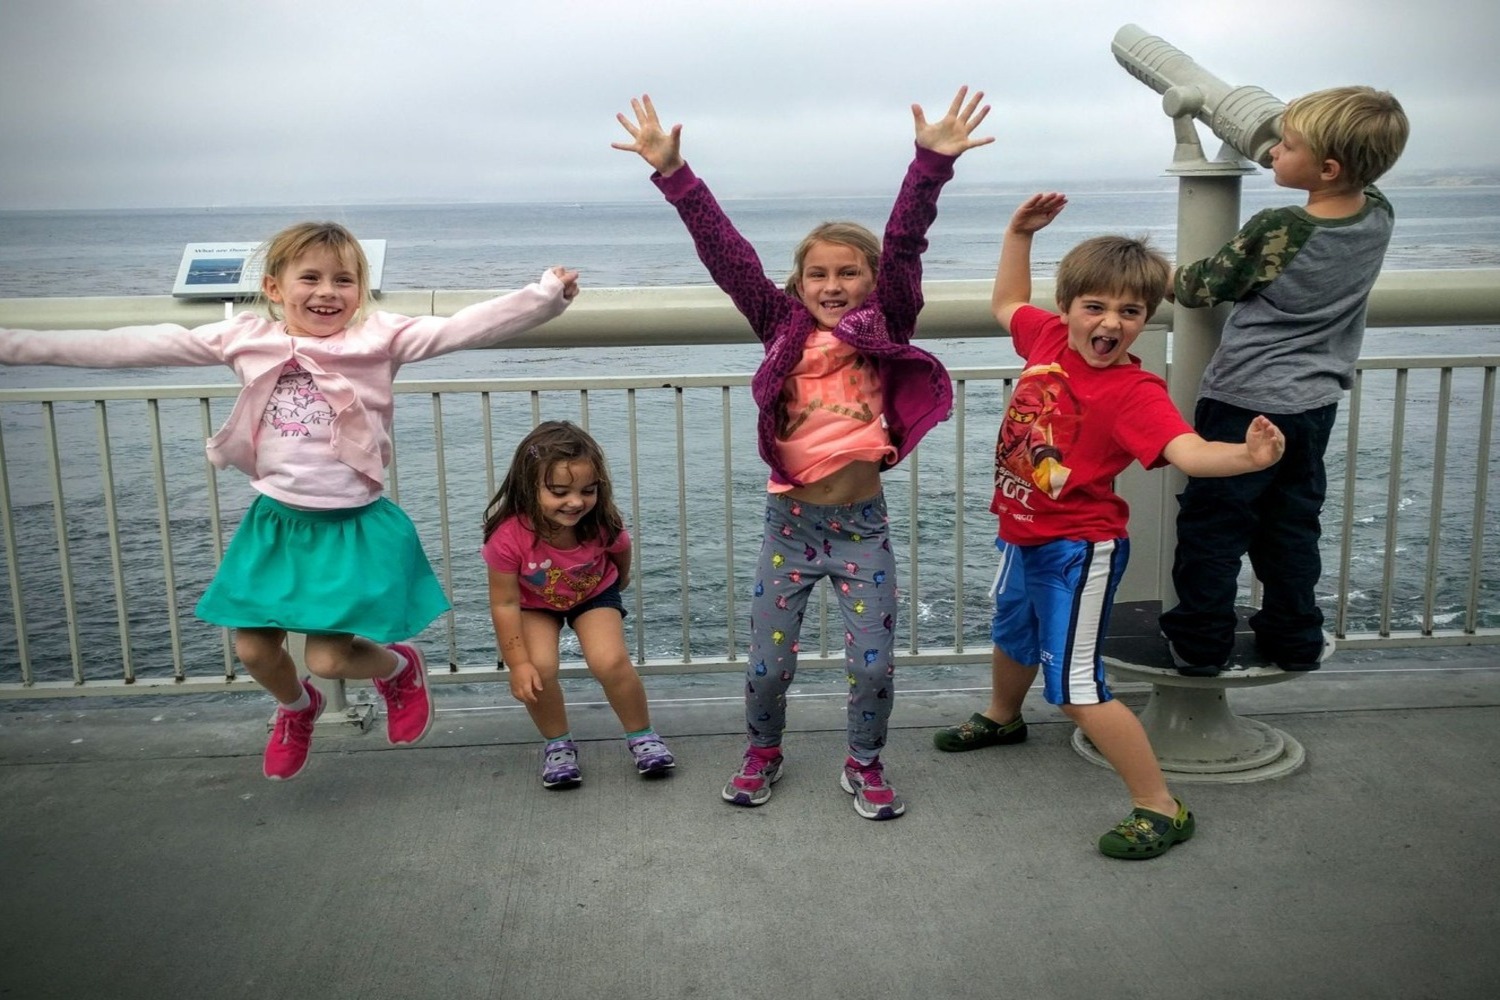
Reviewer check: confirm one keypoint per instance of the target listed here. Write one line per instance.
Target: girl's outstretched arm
(126, 346)
(951, 134)
(662, 149)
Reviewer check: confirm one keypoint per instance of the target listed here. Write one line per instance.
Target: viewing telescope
(1247, 118)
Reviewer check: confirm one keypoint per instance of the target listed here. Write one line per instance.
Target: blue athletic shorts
(1052, 606)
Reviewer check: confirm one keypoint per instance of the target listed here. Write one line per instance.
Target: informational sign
(233, 270)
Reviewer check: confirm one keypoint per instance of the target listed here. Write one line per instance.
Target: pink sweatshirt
(354, 369)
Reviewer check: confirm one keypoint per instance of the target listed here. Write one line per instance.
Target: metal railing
(113, 521)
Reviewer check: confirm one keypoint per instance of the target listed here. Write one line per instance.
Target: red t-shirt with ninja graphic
(1068, 430)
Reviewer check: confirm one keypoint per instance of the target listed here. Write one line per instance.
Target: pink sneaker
(291, 738)
(751, 784)
(873, 798)
(408, 705)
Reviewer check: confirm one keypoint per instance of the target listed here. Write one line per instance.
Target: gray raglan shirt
(1299, 285)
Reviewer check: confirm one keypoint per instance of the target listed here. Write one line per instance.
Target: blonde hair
(1362, 129)
(1113, 265)
(289, 246)
(848, 234)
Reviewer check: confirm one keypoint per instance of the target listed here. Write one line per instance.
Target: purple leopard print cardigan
(918, 391)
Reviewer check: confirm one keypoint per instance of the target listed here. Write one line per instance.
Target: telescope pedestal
(1196, 736)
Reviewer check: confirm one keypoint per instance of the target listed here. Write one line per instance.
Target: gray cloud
(193, 103)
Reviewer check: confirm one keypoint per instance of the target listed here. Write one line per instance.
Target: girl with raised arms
(843, 395)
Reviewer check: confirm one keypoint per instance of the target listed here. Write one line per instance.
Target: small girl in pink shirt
(558, 553)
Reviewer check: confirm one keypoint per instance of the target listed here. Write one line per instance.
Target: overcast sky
(146, 103)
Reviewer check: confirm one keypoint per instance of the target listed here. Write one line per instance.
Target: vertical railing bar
(1393, 502)
(729, 611)
(215, 522)
(583, 409)
(164, 519)
(636, 533)
(682, 526)
(445, 527)
(488, 429)
(1346, 536)
(13, 568)
(536, 407)
(1435, 514)
(65, 562)
(1481, 498)
(913, 520)
(960, 497)
(112, 530)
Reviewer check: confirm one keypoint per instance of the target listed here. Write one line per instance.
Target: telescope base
(1196, 735)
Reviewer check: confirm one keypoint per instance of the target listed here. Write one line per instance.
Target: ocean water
(641, 243)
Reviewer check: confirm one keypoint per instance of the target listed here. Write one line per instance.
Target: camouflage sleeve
(1256, 256)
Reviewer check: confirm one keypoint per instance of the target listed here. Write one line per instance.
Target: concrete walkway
(144, 856)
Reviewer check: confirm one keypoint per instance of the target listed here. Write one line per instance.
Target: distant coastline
(1476, 177)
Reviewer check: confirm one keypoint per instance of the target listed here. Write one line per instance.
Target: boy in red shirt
(1082, 411)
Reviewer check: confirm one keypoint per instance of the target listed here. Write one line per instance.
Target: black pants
(1273, 515)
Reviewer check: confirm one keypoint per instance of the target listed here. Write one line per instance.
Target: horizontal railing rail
(686, 315)
(113, 521)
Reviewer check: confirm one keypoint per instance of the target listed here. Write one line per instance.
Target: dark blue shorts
(609, 597)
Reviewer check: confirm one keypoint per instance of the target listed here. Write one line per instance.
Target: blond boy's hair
(1363, 129)
(1113, 265)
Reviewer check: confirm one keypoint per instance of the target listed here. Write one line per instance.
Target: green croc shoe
(979, 732)
(1146, 834)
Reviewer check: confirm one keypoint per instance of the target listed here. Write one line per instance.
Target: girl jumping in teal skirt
(321, 551)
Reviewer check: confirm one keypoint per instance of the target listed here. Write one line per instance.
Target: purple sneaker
(873, 798)
(652, 758)
(560, 765)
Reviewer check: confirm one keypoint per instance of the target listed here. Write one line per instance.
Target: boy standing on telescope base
(1300, 279)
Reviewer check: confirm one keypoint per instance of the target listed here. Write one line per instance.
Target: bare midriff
(854, 482)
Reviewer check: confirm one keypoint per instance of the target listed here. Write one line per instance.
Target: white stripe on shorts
(1084, 680)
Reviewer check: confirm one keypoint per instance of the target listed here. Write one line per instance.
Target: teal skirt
(359, 571)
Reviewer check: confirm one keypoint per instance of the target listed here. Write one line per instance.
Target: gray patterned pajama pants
(850, 545)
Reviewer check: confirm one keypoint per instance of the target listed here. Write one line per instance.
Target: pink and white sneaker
(873, 798)
(408, 704)
(291, 738)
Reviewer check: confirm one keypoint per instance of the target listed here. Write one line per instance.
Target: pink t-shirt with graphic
(294, 457)
(553, 579)
(832, 412)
